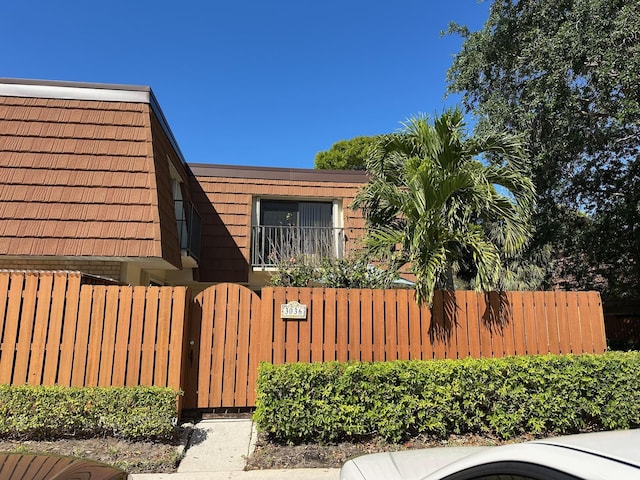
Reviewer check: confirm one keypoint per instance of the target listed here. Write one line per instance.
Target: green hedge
(47, 412)
(396, 400)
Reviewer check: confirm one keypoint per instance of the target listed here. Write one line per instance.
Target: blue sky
(250, 82)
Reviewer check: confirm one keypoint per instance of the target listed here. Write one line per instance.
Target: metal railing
(271, 245)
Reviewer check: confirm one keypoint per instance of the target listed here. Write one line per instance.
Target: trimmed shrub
(506, 397)
(48, 412)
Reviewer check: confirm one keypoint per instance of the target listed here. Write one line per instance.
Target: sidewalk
(218, 449)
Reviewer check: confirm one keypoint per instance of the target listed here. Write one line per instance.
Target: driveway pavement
(218, 449)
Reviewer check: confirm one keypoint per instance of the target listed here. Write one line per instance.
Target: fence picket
(78, 369)
(574, 322)
(69, 329)
(230, 346)
(304, 327)
(150, 330)
(178, 340)
(438, 331)
(160, 371)
(516, 302)
(473, 323)
(529, 319)
(246, 309)
(40, 329)
(279, 327)
(378, 326)
(217, 346)
(135, 340)
(267, 326)
(4, 297)
(355, 325)
(121, 345)
(588, 334)
(366, 325)
(329, 341)
(96, 330)
(484, 326)
(426, 329)
(461, 326)
(403, 322)
(25, 334)
(316, 316)
(542, 336)
(416, 339)
(450, 336)
(107, 346)
(12, 322)
(597, 322)
(204, 361)
(390, 326)
(564, 336)
(54, 337)
(292, 330)
(254, 341)
(342, 325)
(499, 331)
(551, 314)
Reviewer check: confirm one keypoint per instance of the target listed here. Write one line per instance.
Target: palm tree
(435, 202)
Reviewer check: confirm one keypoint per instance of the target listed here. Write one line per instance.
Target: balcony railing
(189, 230)
(272, 245)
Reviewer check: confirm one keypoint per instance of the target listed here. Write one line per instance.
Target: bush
(295, 272)
(397, 400)
(48, 412)
(355, 271)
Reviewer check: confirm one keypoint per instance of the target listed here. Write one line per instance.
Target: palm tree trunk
(449, 285)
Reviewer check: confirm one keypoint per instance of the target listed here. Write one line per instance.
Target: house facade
(92, 179)
(255, 217)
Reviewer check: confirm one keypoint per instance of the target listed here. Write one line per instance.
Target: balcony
(270, 245)
(189, 229)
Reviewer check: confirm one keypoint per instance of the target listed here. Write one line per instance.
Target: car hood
(403, 465)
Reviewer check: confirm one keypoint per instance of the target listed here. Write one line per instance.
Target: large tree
(566, 74)
(345, 154)
(434, 204)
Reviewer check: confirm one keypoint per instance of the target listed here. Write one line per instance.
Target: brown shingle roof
(78, 176)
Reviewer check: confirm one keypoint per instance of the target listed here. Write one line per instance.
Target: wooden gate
(222, 359)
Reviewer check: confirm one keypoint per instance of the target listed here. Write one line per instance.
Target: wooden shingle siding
(165, 212)
(226, 203)
(80, 178)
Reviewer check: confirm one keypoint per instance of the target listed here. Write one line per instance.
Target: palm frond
(432, 202)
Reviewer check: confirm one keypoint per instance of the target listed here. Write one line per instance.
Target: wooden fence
(232, 330)
(57, 331)
(384, 325)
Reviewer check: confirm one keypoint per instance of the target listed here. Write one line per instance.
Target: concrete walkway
(218, 450)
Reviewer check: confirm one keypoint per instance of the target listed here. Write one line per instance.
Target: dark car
(32, 466)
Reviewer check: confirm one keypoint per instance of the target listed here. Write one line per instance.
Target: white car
(588, 456)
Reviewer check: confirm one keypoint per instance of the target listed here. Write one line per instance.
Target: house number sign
(293, 310)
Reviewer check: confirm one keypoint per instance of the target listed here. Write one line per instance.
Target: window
(510, 470)
(285, 229)
(304, 214)
(188, 222)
